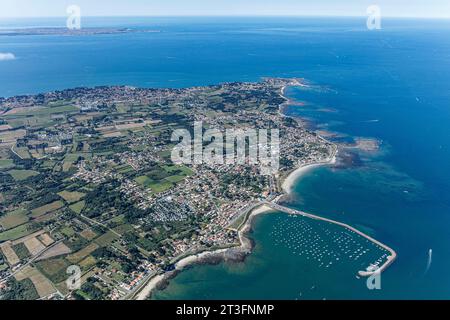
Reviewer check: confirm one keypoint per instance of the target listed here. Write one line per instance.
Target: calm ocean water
(392, 85)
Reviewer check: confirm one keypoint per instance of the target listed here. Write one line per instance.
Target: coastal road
(244, 211)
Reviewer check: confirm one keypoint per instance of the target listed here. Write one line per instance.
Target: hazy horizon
(225, 8)
(228, 16)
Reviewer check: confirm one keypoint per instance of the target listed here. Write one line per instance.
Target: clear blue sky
(398, 8)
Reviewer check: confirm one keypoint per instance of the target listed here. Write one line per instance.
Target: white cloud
(7, 56)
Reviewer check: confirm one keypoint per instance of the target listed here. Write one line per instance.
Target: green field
(165, 178)
(106, 239)
(77, 207)
(22, 152)
(175, 179)
(21, 250)
(67, 231)
(48, 164)
(124, 169)
(36, 117)
(238, 222)
(155, 186)
(87, 263)
(183, 170)
(6, 163)
(73, 157)
(123, 228)
(16, 233)
(42, 111)
(71, 197)
(142, 180)
(118, 219)
(20, 122)
(20, 175)
(54, 269)
(83, 253)
(14, 219)
(160, 186)
(46, 209)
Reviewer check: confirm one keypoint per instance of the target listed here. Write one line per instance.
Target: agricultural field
(46, 217)
(54, 269)
(67, 231)
(43, 286)
(71, 197)
(21, 152)
(37, 117)
(38, 111)
(21, 250)
(6, 164)
(88, 234)
(106, 239)
(79, 255)
(34, 246)
(11, 136)
(163, 178)
(46, 239)
(5, 127)
(78, 207)
(46, 209)
(14, 219)
(73, 157)
(87, 263)
(17, 232)
(20, 175)
(123, 228)
(10, 255)
(58, 249)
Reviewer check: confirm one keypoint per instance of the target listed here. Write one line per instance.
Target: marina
(343, 242)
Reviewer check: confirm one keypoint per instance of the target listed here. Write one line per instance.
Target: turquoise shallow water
(392, 85)
(392, 89)
(296, 258)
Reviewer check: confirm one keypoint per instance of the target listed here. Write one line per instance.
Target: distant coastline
(62, 31)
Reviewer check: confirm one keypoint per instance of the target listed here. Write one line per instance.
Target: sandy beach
(295, 175)
(246, 244)
(151, 285)
(288, 101)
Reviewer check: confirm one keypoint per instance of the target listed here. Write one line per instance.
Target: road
(30, 261)
(100, 224)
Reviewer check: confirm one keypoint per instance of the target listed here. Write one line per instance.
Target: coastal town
(89, 183)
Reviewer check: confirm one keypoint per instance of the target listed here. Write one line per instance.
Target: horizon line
(232, 16)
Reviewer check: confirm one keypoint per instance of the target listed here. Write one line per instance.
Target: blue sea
(391, 85)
